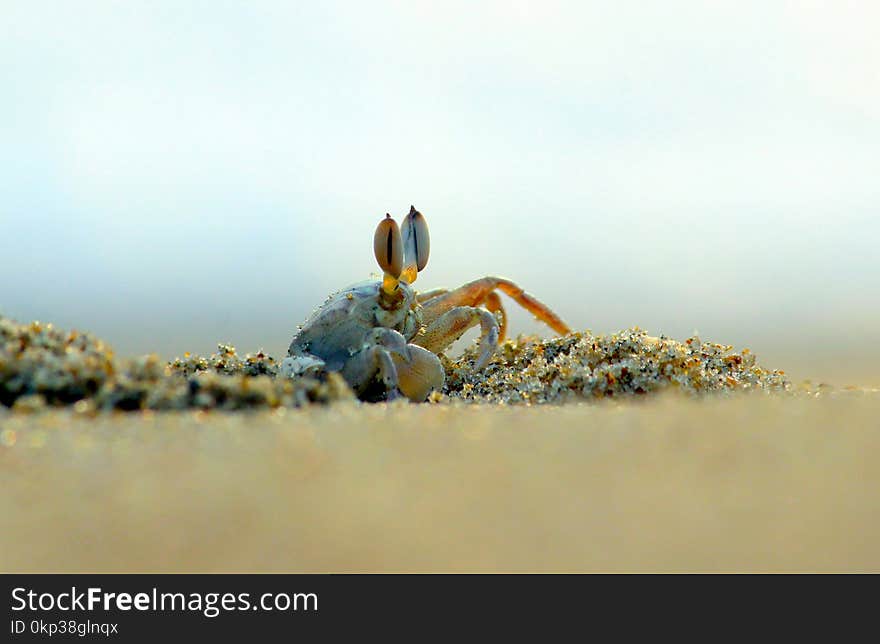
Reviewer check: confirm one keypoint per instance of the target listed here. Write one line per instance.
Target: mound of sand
(42, 365)
(583, 365)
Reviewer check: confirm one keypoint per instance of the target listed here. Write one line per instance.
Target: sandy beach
(623, 452)
(748, 482)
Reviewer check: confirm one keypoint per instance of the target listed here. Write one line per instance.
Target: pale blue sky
(175, 174)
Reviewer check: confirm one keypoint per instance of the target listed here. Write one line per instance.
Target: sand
(741, 483)
(42, 365)
(584, 453)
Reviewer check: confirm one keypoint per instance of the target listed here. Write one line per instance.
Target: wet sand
(739, 482)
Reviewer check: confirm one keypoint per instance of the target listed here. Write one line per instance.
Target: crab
(384, 337)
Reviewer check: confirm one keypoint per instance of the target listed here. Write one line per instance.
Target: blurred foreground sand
(742, 483)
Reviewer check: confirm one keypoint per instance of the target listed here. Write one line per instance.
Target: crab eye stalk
(416, 244)
(388, 248)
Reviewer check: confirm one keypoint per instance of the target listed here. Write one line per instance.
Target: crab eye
(416, 243)
(388, 247)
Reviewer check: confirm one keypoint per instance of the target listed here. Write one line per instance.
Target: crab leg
(451, 325)
(495, 307)
(424, 296)
(478, 292)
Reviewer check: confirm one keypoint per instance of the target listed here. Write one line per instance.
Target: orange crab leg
(478, 292)
(424, 296)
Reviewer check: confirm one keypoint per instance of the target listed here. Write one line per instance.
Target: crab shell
(369, 344)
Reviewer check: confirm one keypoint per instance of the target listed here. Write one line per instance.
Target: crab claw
(390, 340)
(419, 372)
(420, 375)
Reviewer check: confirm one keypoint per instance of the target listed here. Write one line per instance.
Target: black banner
(151, 606)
